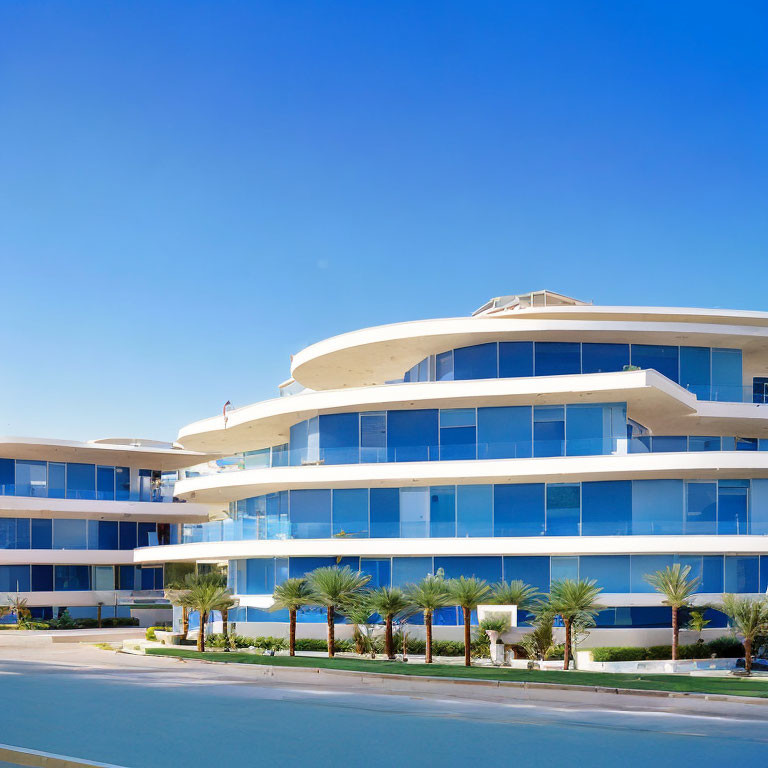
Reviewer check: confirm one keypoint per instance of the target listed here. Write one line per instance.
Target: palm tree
(677, 589)
(428, 595)
(205, 594)
(749, 618)
(174, 594)
(576, 603)
(468, 594)
(515, 592)
(358, 612)
(291, 595)
(388, 602)
(18, 605)
(332, 587)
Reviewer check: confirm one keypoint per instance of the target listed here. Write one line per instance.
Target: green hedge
(722, 647)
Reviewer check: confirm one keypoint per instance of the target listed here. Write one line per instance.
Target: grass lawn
(731, 686)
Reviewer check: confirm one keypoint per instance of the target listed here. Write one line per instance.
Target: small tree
(677, 588)
(291, 595)
(468, 594)
(359, 614)
(388, 602)
(18, 606)
(428, 595)
(204, 593)
(332, 587)
(576, 603)
(697, 623)
(749, 617)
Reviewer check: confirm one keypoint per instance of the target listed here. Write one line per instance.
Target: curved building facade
(72, 514)
(540, 438)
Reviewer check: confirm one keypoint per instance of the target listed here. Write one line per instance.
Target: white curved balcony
(375, 355)
(652, 400)
(231, 486)
(491, 546)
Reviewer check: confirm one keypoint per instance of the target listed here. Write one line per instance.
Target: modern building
(540, 438)
(73, 513)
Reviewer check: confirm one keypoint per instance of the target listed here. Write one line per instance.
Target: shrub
(311, 644)
(659, 652)
(725, 647)
(150, 633)
(448, 648)
(619, 653)
(86, 623)
(556, 653)
(220, 640)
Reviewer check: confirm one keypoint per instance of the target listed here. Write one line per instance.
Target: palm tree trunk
(467, 657)
(675, 633)
(428, 627)
(292, 632)
(388, 640)
(98, 615)
(331, 634)
(201, 633)
(567, 652)
(748, 655)
(225, 624)
(184, 622)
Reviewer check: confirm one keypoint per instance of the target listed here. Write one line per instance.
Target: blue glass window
(488, 568)
(414, 513)
(732, 505)
(107, 535)
(599, 358)
(57, 475)
(339, 436)
(657, 506)
(42, 578)
(301, 566)
(128, 536)
(515, 359)
(665, 360)
(122, 483)
(476, 362)
(442, 511)
(711, 574)
(695, 366)
(73, 577)
(143, 533)
(31, 478)
(727, 375)
(350, 512)
(105, 483)
(311, 514)
(385, 513)
(14, 578)
(7, 477)
(410, 570)
(518, 510)
(380, 571)
(549, 430)
(701, 508)
(277, 515)
(474, 510)
(69, 534)
(259, 576)
(504, 432)
(611, 572)
(564, 568)
(42, 534)
(81, 481)
(742, 574)
(585, 430)
(702, 443)
(563, 509)
(606, 508)
(533, 570)
(758, 517)
(670, 444)
(444, 366)
(557, 358)
(126, 577)
(412, 435)
(646, 565)
(373, 436)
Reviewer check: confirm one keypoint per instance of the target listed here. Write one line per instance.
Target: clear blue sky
(192, 191)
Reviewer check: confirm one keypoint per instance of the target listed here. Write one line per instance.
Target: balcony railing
(43, 492)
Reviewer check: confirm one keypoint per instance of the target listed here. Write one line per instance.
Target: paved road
(144, 712)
